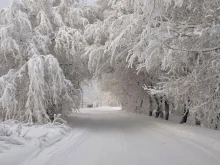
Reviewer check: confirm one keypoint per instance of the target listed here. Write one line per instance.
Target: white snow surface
(18, 141)
(106, 137)
(103, 108)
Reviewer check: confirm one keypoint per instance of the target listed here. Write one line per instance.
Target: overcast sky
(5, 3)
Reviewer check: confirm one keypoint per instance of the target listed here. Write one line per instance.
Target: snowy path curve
(118, 138)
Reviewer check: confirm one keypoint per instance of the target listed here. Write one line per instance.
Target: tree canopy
(142, 52)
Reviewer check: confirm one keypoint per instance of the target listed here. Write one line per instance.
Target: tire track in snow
(38, 152)
(65, 142)
(73, 146)
(53, 151)
(182, 141)
(160, 138)
(203, 149)
(116, 139)
(82, 137)
(124, 142)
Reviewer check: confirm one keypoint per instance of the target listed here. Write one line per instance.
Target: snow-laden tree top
(41, 46)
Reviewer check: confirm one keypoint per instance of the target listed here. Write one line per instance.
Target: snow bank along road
(119, 138)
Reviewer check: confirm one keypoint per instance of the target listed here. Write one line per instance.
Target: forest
(154, 57)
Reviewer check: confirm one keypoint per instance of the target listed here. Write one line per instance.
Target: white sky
(89, 1)
(5, 3)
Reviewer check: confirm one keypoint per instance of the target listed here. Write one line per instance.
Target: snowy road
(118, 138)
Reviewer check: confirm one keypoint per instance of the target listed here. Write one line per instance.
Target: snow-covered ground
(101, 137)
(103, 108)
(18, 141)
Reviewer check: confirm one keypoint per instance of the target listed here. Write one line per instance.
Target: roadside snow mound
(13, 133)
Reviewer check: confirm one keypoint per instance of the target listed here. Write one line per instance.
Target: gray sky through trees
(4, 3)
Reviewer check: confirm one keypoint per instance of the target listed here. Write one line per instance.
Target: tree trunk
(166, 110)
(162, 106)
(151, 106)
(161, 114)
(157, 114)
(218, 121)
(150, 113)
(185, 115)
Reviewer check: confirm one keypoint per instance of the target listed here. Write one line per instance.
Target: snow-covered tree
(180, 38)
(184, 40)
(174, 43)
(126, 87)
(41, 66)
(109, 43)
(110, 100)
(141, 51)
